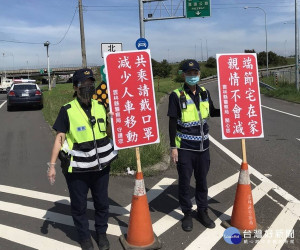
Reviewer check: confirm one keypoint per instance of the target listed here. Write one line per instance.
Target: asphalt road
(35, 215)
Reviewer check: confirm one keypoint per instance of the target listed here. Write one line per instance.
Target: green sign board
(197, 8)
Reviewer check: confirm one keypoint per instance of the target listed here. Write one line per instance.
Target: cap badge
(191, 64)
(86, 72)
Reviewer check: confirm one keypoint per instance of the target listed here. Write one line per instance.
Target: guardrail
(210, 78)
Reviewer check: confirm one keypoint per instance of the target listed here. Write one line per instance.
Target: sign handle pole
(244, 151)
(138, 159)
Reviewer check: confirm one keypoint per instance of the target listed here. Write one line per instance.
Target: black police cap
(190, 65)
(81, 75)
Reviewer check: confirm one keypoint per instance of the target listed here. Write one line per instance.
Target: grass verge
(150, 154)
(283, 91)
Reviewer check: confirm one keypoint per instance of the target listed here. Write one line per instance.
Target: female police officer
(82, 123)
(189, 109)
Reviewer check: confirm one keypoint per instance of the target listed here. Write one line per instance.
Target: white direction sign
(110, 47)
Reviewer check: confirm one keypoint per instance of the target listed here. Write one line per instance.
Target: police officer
(189, 109)
(86, 152)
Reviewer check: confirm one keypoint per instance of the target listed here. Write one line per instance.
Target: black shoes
(103, 242)
(187, 222)
(87, 244)
(204, 219)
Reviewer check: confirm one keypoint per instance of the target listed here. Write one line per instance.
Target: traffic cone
(243, 214)
(140, 233)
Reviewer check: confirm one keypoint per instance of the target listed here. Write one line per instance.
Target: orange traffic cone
(140, 233)
(243, 214)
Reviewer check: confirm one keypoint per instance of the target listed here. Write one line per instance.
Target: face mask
(87, 92)
(192, 80)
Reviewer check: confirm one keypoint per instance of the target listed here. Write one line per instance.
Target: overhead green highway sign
(197, 8)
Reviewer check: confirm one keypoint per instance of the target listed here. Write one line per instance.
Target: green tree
(164, 69)
(211, 62)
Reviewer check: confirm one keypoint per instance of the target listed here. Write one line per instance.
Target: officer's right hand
(174, 155)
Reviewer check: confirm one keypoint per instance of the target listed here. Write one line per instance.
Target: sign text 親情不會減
(239, 96)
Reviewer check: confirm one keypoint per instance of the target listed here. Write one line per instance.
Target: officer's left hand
(174, 155)
(51, 174)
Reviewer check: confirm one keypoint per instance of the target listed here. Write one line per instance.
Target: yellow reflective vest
(192, 128)
(89, 146)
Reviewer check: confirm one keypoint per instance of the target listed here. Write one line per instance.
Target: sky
(26, 25)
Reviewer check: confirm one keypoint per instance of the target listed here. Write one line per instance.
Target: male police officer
(82, 122)
(189, 109)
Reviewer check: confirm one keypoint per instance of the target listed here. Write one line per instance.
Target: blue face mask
(192, 80)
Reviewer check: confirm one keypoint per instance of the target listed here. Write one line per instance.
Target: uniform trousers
(189, 162)
(79, 185)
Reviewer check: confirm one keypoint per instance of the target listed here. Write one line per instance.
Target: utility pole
(83, 51)
(46, 44)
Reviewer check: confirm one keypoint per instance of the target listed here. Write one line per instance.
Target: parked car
(24, 94)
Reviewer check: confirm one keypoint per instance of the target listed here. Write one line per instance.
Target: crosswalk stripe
(283, 223)
(54, 217)
(32, 240)
(257, 174)
(173, 217)
(54, 198)
(153, 193)
(209, 237)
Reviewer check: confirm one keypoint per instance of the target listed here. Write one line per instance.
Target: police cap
(81, 75)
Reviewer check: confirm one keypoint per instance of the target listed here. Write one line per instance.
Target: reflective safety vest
(192, 128)
(89, 146)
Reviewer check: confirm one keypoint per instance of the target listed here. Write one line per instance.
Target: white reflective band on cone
(244, 177)
(139, 188)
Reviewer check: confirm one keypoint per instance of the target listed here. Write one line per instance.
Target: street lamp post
(246, 7)
(296, 48)
(46, 44)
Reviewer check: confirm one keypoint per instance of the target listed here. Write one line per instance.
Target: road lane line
(2, 104)
(54, 217)
(169, 220)
(283, 223)
(257, 174)
(209, 237)
(280, 111)
(32, 240)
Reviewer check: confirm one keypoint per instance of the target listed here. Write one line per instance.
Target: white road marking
(54, 198)
(280, 111)
(54, 217)
(284, 223)
(32, 240)
(169, 220)
(2, 104)
(209, 237)
(154, 192)
(257, 174)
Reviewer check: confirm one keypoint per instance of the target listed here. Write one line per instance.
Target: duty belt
(191, 137)
(190, 124)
